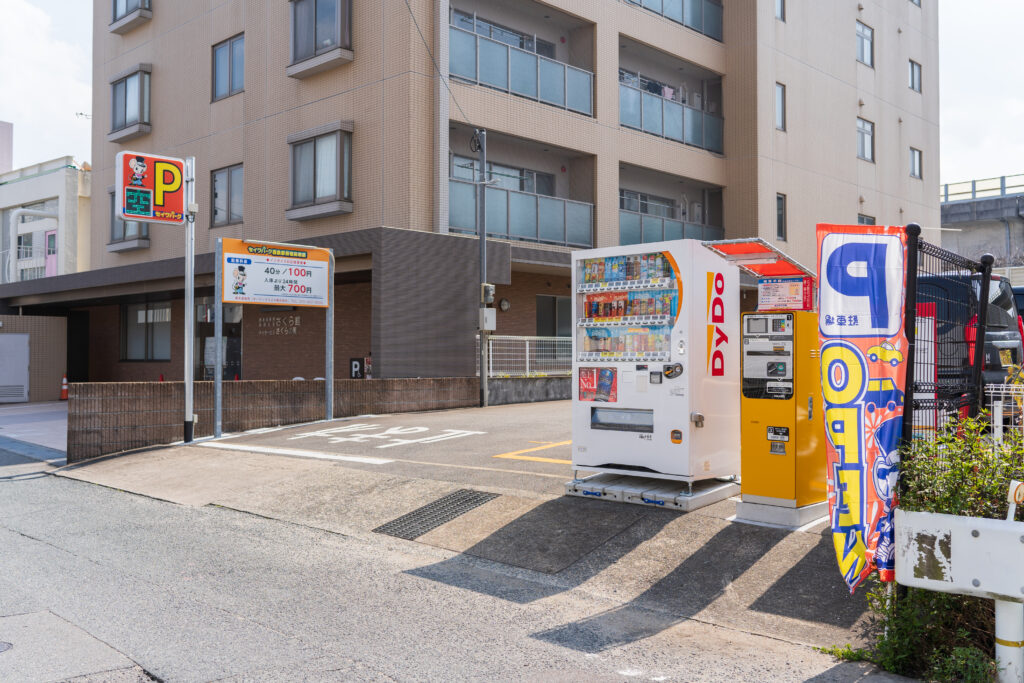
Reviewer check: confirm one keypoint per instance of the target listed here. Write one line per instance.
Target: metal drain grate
(432, 515)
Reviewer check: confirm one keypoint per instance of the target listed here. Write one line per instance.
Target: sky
(46, 53)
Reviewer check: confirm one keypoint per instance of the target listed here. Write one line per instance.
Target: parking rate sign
(149, 188)
(257, 273)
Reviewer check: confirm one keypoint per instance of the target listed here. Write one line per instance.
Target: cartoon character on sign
(238, 286)
(138, 166)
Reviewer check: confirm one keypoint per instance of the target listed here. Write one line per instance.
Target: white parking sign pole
(191, 209)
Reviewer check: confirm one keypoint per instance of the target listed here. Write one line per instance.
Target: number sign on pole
(150, 188)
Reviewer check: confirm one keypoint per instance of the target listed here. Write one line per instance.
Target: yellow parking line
(518, 455)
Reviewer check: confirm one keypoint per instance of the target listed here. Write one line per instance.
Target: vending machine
(783, 472)
(656, 378)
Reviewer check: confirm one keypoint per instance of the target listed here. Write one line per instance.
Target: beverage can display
(605, 385)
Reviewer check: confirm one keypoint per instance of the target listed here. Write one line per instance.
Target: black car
(951, 299)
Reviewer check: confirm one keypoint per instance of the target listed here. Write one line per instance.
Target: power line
(434, 62)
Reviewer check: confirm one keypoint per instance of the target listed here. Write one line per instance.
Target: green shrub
(941, 636)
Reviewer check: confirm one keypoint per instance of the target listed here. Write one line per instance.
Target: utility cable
(433, 61)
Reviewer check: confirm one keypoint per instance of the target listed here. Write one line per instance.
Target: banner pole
(218, 335)
(190, 292)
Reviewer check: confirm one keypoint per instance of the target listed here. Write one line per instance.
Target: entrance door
(13, 368)
(51, 253)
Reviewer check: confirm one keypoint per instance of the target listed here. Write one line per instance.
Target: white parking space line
(295, 452)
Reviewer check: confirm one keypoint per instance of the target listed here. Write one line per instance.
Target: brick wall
(110, 417)
(105, 348)
(521, 318)
(47, 354)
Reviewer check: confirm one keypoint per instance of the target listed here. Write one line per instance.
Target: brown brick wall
(111, 417)
(105, 362)
(521, 318)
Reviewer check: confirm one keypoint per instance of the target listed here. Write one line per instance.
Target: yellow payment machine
(783, 441)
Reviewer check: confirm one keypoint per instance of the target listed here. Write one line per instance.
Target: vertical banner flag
(861, 281)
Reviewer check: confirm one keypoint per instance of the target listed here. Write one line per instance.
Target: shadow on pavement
(547, 539)
(810, 591)
(700, 580)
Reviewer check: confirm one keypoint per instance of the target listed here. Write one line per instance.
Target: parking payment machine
(783, 452)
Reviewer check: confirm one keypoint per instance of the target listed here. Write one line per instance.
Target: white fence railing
(1006, 403)
(527, 356)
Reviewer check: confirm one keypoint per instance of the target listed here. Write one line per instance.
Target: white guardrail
(527, 356)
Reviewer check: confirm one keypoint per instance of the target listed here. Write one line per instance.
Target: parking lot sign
(149, 188)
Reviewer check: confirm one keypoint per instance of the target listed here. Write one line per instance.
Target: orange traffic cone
(64, 388)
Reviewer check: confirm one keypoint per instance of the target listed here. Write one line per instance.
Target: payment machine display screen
(757, 325)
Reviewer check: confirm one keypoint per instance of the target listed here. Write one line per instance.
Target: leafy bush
(941, 636)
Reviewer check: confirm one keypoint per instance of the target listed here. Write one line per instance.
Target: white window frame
(865, 44)
(865, 132)
(230, 190)
(916, 163)
(915, 76)
(780, 106)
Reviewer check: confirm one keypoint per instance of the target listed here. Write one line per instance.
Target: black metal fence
(945, 327)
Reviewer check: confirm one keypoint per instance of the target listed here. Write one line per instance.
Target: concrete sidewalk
(35, 430)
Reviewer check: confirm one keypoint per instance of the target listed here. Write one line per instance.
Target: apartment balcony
(537, 193)
(525, 54)
(670, 98)
(703, 16)
(655, 206)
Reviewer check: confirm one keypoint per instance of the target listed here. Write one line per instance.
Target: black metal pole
(978, 378)
(910, 329)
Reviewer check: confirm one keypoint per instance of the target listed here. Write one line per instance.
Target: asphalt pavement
(203, 563)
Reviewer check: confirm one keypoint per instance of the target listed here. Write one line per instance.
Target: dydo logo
(717, 339)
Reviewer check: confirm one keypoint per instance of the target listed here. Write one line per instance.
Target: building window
(865, 140)
(123, 8)
(915, 163)
(916, 2)
(641, 202)
(863, 219)
(229, 67)
(51, 244)
(915, 76)
(554, 316)
(780, 10)
(780, 106)
(32, 273)
(780, 217)
(228, 195)
(130, 101)
(25, 245)
(319, 26)
(146, 331)
(502, 34)
(865, 44)
(122, 231)
(321, 169)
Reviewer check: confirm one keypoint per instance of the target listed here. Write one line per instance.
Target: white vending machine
(656, 377)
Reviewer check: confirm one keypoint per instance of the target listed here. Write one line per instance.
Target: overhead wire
(433, 61)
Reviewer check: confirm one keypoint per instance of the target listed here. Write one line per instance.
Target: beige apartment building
(349, 124)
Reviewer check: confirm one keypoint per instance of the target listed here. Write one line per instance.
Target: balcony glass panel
(653, 229)
(713, 19)
(653, 5)
(629, 228)
(629, 106)
(578, 223)
(497, 211)
(493, 64)
(462, 54)
(524, 73)
(673, 9)
(462, 206)
(551, 214)
(652, 113)
(552, 82)
(578, 90)
(693, 231)
(713, 233)
(522, 215)
(673, 120)
(673, 230)
(693, 14)
(693, 127)
(713, 133)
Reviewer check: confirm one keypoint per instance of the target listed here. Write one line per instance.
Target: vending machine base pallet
(674, 495)
(776, 515)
